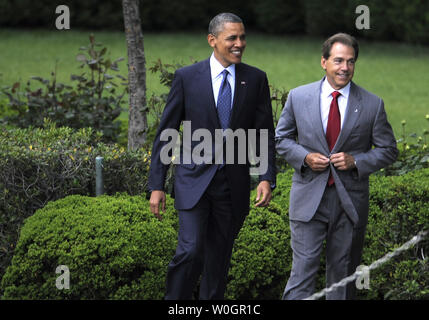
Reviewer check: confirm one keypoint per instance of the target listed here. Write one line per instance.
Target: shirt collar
(327, 89)
(216, 68)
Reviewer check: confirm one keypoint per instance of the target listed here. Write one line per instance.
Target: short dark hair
(343, 38)
(216, 24)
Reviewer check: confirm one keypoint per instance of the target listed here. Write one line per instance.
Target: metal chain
(416, 239)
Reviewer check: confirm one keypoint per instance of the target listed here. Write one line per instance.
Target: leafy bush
(261, 259)
(398, 20)
(260, 262)
(113, 246)
(392, 19)
(328, 18)
(399, 208)
(389, 20)
(413, 155)
(122, 251)
(156, 103)
(42, 165)
(279, 16)
(92, 103)
(155, 15)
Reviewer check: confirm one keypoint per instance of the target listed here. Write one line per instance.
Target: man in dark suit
(212, 198)
(334, 134)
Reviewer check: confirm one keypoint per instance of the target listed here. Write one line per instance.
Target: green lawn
(396, 72)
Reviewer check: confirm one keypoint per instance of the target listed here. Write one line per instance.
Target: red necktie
(334, 127)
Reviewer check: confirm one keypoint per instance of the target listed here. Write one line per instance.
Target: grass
(397, 72)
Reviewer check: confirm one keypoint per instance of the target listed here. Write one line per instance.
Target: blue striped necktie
(224, 101)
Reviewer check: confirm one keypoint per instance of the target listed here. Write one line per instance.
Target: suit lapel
(353, 112)
(313, 105)
(204, 81)
(239, 94)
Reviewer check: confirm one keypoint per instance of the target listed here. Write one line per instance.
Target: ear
(323, 63)
(211, 39)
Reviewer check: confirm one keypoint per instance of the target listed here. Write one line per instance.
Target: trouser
(206, 237)
(343, 250)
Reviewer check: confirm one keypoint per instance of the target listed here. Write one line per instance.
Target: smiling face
(340, 65)
(229, 44)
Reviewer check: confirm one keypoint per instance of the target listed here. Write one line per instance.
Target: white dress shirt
(326, 99)
(216, 70)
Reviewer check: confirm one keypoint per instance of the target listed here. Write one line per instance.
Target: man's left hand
(264, 189)
(343, 161)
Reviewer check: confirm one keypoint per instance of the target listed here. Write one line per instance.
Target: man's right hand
(157, 198)
(316, 161)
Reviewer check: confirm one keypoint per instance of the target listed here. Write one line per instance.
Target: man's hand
(343, 161)
(264, 189)
(316, 161)
(157, 197)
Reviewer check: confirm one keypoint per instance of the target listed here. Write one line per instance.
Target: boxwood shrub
(46, 164)
(116, 249)
(261, 258)
(399, 209)
(113, 246)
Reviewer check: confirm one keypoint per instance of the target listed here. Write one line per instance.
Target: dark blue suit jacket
(191, 99)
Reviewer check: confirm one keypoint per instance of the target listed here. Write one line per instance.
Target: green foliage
(399, 209)
(397, 20)
(113, 246)
(278, 101)
(156, 102)
(279, 16)
(413, 155)
(41, 165)
(261, 259)
(328, 18)
(92, 103)
(122, 251)
(4, 109)
(389, 20)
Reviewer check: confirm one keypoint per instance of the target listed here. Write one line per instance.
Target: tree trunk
(137, 119)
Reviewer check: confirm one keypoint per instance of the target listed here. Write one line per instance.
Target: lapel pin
(243, 82)
(356, 110)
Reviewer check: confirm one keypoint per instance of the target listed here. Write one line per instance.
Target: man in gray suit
(334, 134)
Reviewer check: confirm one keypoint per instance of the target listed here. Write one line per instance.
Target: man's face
(229, 44)
(340, 65)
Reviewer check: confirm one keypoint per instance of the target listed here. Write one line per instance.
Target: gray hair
(216, 24)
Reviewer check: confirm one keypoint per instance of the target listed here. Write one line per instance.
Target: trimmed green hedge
(399, 207)
(113, 247)
(116, 249)
(42, 165)
(260, 262)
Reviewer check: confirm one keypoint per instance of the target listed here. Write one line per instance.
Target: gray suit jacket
(366, 134)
